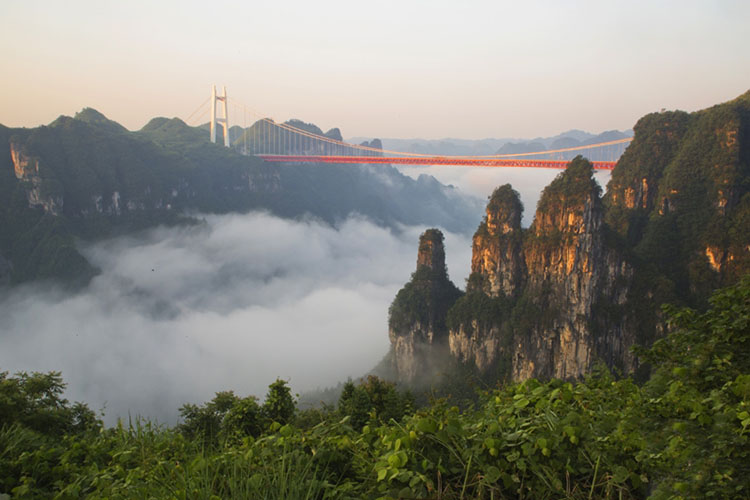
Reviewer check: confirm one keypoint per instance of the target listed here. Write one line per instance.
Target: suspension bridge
(297, 142)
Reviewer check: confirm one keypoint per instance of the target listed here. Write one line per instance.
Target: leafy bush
(373, 399)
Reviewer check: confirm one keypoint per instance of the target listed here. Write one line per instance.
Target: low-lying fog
(181, 313)
(178, 314)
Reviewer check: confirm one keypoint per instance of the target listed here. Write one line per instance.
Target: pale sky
(431, 69)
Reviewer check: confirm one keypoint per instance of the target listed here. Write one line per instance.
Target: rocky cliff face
(39, 191)
(572, 273)
(416, 324)
(496, 246)
(498, 272)
(532, 295)
(679, 196)
(634, 188)
(585, 282)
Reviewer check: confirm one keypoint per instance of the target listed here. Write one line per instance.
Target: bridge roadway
(433, 160)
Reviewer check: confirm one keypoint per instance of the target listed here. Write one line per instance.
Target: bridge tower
(224, 120)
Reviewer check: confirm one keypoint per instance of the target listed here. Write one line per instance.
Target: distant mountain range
(484, 147)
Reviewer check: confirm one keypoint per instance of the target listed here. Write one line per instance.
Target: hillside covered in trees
(682, 434)
(88, 177)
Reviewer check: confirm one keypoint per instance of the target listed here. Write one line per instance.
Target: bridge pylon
(224, 120)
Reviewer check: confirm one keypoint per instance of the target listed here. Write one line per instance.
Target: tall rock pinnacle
(431, 251)
(416, 323)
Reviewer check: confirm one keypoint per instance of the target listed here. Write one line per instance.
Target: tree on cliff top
(575, 184)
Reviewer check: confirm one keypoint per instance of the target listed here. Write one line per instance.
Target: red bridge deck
(433, 160)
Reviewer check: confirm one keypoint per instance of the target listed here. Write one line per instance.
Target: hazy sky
(469, 69)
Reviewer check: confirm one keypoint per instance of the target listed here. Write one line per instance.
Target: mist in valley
(232, 303)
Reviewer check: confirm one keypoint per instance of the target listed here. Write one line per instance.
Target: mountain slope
(89, 176)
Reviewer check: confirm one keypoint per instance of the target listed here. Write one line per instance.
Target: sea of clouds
(232, 303)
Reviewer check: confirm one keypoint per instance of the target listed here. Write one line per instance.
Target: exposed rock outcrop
(497, 245)
(633, 189)
(477, 335)
(586, 281)
(479, 338)
(416, 324)
(532, 297)
(40, 191)
(679, 196)
(431, 253)
(572, 272)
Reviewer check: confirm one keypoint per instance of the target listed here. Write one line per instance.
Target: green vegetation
(39, 245)
(571, 192)
(425, 299)
(507, 201)
(573, 186)
(656, 141)
(476, 306)
(229, 418)
(683, 434)
(101, 180)
(373, 399)
(681, 189)
(429, 294)
(505, 204)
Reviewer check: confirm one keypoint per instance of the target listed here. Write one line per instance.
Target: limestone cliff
(41, 190)
(416, 324)
(585, 282)
(496, 246)
(477, 335)
(478, 332)
(680, 197)
(572, 274)
(634, 185)
(532, 296)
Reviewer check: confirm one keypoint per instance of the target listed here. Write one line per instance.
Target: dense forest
(682, 434)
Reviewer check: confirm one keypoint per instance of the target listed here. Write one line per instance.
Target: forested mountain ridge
(87, 176)
(584, 283)
(680, 196)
